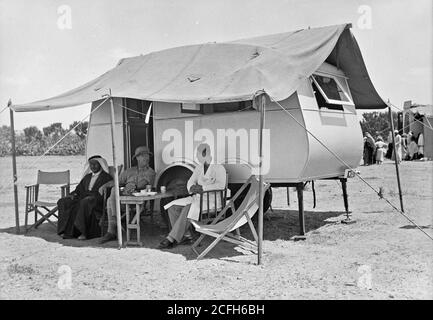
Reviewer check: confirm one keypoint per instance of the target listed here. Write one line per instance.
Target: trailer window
(190, 108)
(331, 90)
(216, 107)
(321, 102)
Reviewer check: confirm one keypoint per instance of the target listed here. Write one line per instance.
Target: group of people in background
(407, 147)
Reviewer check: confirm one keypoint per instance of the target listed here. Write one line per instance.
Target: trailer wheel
(175, 180)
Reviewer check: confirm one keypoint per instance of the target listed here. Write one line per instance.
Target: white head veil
(102, 162)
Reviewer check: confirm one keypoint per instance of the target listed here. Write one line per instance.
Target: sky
(48, 47)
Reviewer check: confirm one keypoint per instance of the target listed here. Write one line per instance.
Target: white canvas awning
(231, 71)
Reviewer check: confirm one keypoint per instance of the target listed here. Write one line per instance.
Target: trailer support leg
(300, 191)
(348, 219)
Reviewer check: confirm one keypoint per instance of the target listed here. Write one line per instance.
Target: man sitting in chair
(134, 178)
(78, 212)
(206, 176)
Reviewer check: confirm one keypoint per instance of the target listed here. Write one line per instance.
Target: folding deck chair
(33, 203)
(223, 229)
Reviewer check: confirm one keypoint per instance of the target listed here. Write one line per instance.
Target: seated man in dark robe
(80, 211)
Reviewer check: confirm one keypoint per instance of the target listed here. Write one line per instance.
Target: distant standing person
(421, 145)
(397, 153)
(412, 150)
(380, 150)
(369, 147)
(388, 154)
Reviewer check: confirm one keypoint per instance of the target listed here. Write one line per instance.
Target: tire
(175, 180)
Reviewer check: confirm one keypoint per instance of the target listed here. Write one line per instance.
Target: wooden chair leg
(26, 217)
(45, 217)
(197, 243)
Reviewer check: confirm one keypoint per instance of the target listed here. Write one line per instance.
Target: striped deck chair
(224, 229)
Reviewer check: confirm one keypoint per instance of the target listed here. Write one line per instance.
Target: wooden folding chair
(33, 202)
(208, 213)
(223, 229)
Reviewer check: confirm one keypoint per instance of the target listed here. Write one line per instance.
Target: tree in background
(32, 133)
(5, 138)
(377, 123)
(81, 129)
(54, 130)
(32, 142)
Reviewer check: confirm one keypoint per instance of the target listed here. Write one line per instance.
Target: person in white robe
(398, 147)
(206, 176)
(421, 145)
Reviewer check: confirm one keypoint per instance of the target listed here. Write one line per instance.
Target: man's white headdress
(102, 162)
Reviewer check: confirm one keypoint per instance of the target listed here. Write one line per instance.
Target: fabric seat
(221, 229)
(44, 204)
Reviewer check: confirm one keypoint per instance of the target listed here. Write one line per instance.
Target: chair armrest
(32, 192)
(221, 193)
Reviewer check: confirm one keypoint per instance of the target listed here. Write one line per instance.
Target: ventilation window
(329, 93)
(216, 107)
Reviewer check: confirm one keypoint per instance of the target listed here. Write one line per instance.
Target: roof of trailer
(228, 71)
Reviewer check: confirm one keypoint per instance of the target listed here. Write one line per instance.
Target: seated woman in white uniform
(206, 176)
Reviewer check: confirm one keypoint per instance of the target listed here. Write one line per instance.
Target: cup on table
(148, 188)
(163, 189)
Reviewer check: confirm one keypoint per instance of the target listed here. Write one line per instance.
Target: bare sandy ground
(336, 261)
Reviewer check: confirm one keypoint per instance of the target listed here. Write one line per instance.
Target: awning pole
(116, 176)
(395, 157)
(14, 169)
(262, 118)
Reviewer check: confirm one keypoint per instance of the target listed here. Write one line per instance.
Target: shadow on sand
(278, 224)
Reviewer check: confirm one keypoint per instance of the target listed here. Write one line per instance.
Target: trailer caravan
(294, 156)
(314, 80)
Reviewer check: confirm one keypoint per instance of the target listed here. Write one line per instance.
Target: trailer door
(138, 132)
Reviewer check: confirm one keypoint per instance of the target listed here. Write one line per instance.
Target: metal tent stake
(14, 169)
(116, 176)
